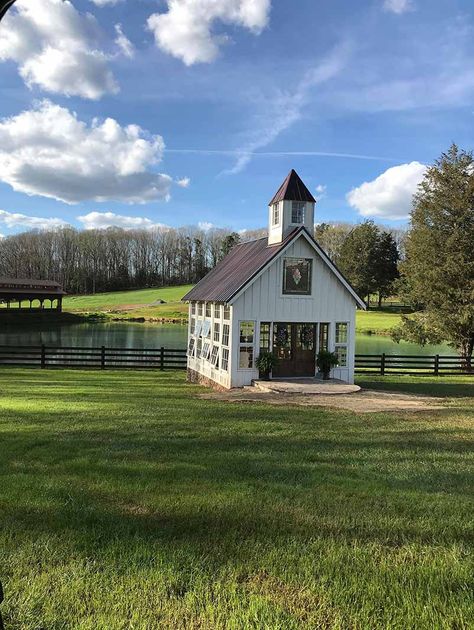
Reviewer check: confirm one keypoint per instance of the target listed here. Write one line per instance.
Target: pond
(135, 335)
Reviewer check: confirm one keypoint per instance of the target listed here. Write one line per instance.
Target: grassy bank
(138, 304)
(128, 502)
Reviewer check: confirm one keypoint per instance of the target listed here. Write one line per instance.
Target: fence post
(382, 364)
(436, 365)
(162, 358)
(102, 358)
(43, 357)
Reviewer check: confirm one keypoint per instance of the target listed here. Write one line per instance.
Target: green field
(129, 503)
(133, 304)
(128, 304)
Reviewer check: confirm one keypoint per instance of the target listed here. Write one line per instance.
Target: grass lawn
(128, 503)
(133, 303)
(376, 322)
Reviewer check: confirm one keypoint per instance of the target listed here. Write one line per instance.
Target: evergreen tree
(357, 258)
(386, 259)
(228, 243)
(439, 266)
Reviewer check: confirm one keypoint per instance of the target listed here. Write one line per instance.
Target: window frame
(246, 344)
(276, 214)
(298, 206)
(342, 345)
(299, 294)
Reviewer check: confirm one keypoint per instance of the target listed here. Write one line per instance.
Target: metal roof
(245, 261)
(28, 282)
(53, 292)
(232, 273)
(293, 189)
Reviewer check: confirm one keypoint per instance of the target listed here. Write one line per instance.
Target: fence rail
(176, 359)
(100, 358)
(416, 365)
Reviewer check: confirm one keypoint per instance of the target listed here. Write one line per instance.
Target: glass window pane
(247, 332)
(324, 336)
(225, 334)
(217, 332)
(305, 336)
(192, 343)
(226, 311)
(225, 359)
(265, 336)
(341, 332)
(208, 309)
(246, 357)
(282, 341)
(297, 276)
(217, 311)
(341, 352)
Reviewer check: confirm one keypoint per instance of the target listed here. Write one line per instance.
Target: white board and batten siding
(264, 301)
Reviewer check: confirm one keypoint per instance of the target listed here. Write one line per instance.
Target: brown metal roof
(242, 263)
(31, 293)
(293, 189)
(28, 282)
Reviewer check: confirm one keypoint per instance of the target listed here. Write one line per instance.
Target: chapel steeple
(291, 207)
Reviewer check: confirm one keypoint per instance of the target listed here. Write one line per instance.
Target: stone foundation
(199, 379)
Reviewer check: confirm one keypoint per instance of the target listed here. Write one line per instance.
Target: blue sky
(145, 112)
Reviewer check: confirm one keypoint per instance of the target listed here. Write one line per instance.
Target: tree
(229, 242)
(357, 258)
(438, 272)
(386, 259)
(331, 237)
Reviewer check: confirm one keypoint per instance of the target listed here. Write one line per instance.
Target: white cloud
(389, 196)
(205, 226)
(185, 31)
(398, 6)
(124, 44)
(103, 220)
(47, 151)
(320, 192)
(184, 182)
(14, 219)
(56, 48)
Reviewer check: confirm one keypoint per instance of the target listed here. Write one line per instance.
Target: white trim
(323, 257)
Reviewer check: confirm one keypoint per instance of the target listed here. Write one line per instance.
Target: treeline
(367, 254)
(92, 261)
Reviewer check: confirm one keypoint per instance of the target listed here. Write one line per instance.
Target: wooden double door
(294, 345)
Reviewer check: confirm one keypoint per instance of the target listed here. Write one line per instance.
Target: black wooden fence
(175, 359)
(100, 358)
(416, 365)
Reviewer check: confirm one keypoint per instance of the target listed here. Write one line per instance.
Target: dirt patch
(365, 401)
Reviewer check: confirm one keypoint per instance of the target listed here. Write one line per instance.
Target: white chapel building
(280, 294)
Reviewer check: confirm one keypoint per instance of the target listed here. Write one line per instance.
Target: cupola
(291, 207)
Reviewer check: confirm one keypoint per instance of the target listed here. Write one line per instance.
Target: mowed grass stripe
(128, 502)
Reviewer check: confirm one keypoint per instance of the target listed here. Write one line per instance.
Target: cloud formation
(389, 196)
(103, 220)
(56, 48)
(185, 30)
(280, 111)
(398, 6)
(47, 151)
(14, 219)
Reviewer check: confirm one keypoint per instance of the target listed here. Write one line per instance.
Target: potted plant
(326, 361)
(265, 364)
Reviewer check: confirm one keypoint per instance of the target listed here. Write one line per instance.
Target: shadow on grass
(426, 386)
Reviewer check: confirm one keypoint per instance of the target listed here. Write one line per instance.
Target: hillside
(142, 303)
